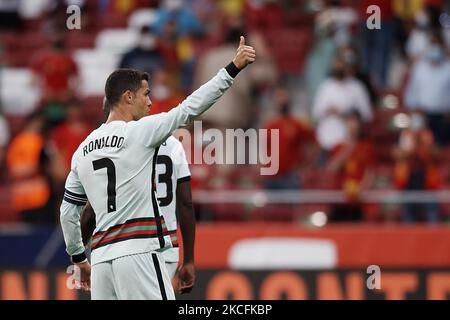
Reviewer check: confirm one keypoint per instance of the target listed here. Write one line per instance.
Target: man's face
(141, 101)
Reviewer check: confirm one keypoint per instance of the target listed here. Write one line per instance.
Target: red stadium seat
(289, 47)
(92, 109)
(32, 40)
(7, 213)
(80, 39)
(15, 123)
(8, 40)
(110, 21)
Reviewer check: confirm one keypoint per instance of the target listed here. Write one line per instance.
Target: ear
(127, 97)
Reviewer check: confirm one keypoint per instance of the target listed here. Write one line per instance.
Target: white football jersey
(114, 169)
(171, 168)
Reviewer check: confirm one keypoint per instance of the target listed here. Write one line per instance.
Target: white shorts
(134, 277)
(171, 268)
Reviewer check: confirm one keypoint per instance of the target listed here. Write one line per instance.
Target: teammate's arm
(87, 223)
(73, 202)
(186, 219)
(155, 129)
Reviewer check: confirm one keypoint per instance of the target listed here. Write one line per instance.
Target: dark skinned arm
(87, 223)
(186, 218)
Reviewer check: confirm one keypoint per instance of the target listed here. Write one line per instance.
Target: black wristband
(232, 69)
(78, 258)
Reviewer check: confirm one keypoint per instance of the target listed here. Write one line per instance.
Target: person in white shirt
(4, 138)
(111, 169)
(173, 185)
(338, 95)
(428, 89)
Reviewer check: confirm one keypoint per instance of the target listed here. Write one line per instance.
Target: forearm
(70, 223)
(187, 226)
(205, 96)
(164, 124)
(88, 223)
(186, 219)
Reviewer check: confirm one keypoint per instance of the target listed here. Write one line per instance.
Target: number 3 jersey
(114, 169)
(171, 168)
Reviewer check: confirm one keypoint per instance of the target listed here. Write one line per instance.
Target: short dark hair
(106, 107)
(122, 80)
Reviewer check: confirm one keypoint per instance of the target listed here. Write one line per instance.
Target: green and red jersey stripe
(131, 229)
(174, 238)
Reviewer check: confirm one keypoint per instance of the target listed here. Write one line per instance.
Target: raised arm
(153, 130)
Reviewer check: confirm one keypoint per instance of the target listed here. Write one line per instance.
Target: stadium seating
(17, 94)
(94, 67)
(116, 41)
(141, 18)
(289, 47)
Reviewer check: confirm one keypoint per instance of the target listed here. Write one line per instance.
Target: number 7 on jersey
(111, 173)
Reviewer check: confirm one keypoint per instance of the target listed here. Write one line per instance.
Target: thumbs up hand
(244, 55)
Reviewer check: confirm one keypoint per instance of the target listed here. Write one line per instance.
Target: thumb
(242, 41)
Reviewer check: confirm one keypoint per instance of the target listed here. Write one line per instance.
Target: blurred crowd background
(358, 110)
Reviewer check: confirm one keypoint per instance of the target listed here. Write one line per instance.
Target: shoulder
(447, 64)
(357, 85)
(328, 82)
(420, 65)
(172, 146)
(173, 142)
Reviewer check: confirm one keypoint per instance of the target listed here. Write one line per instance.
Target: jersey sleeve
(155, 129)
(73, 202)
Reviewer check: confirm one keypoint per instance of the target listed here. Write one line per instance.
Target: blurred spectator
(29, 166)
(178, 52)
(378, 43)
(180, 12)
(320, 58)
(351, 162)
(208, 12)
(146, 56)
(332, 30)
(123, 7)
(164, 96)
(336, 96)
(296, 144)
(407, 10)
(416, 167)
(230, 111)
(428, 89)
(4, 139)
(55, 71)
(9, 15)
(68, 136)
(232, 7)
(354, 67)
(168, 45)
(336, 20)
(419, 38)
